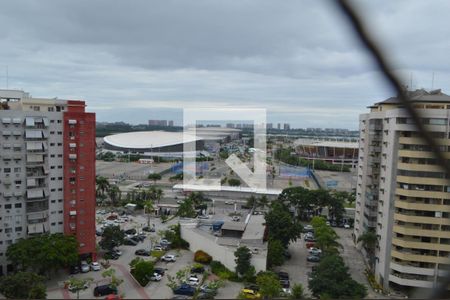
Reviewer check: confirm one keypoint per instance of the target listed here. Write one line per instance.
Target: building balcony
(418, 231)
(420, 245)
(419, 154)
(422, 180)
(419, 167)
(410, 282)
(419, 257)
(422, 194)
(420, 219)
(421, 206)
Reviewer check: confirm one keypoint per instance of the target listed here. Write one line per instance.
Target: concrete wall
(199, 240)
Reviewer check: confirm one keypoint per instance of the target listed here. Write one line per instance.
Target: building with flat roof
(403, 194)
(47, 170)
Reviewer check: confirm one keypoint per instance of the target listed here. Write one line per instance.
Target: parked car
(315, 252)
(165, 242)
(283, 275)
(117, 251)
(98, 232)
(142, 252)
(313, 258)
(137, 238)
(230, 202)
(155, 277)
(84, 266)
(347, 226)
(73, 289)
(310, 244)
(236, 218)
(168, 258)
(193, 280)
(148, 229)
(250, 294)
(203, 217)
(131, 231)
(184, 289)
(111, 255)
(95, 266)
(129, 242)
(308, 228)
(198, 269)
(157, 248)
(160, 271)
(74, 269)
(103, 290)
(207, 290)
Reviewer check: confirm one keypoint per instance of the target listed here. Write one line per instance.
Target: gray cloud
(295, 58)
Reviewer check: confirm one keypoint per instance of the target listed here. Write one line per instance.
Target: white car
(346, 226)
(84, 266)
(95, 266)
(236, 219)
(230, 202)
(169, 258)
(155, 277)
(314, 250)
(158, 248)
(193, 280)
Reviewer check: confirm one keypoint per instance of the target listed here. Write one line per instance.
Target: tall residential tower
(47, 170)
(403, 195)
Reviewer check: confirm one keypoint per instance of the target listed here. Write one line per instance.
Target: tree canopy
(243, 260)
(326, 237)
(23, 285)
(281, 225)
(269, 285)
(112, 237)
(275, 253)
(331, 278)
(44, 253)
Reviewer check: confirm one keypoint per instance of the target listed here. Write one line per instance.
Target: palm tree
(114, 194)
(155, 194)
(148, 206)
(102, 185)
(263, 201)
(369, 241)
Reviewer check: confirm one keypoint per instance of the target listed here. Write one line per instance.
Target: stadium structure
(335, 152)
(166, 144)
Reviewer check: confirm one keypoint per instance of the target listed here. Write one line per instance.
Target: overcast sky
(135, 60)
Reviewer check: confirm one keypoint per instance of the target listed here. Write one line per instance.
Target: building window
(18, 205)
(18, 229)
(8, 206)
(59, 121)
(51, 108)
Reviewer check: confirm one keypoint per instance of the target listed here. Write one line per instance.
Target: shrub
(202, 257)
(222, 272)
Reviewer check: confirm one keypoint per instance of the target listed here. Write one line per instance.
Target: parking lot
(130, 288)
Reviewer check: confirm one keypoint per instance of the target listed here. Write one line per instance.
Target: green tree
(297, 292)
(173, 235)
(281, 225)
(148, 208)
(44, 254)
(252, 202)
(102, 185)
(243, 260)
(155, 177)
(186, 209)
(326, 237)
(114, 280)
(114, 194)
(142, 270)
(331, 277)
(234, 182)
(369, 241)
(23, 285)
(275, 253)
(79, 284)
(112, 237)
(269, 285)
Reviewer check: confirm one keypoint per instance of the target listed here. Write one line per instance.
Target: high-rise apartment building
(47, 170)
(286, 126)
(403, 195)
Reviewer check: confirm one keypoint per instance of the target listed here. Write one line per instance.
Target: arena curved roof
(148, 139)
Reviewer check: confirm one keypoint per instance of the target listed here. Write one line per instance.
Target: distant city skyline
(297, 59)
